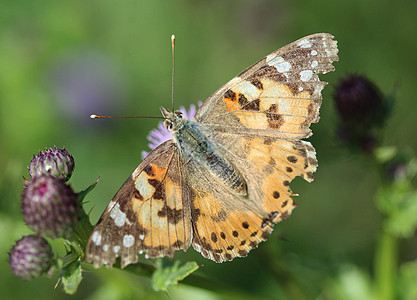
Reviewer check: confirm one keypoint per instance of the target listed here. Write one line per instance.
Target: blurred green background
(61, 61)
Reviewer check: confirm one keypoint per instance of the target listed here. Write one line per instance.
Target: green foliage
(399, 203)
(169, 272)
(350, 284)
(407, 288)
(71, 276)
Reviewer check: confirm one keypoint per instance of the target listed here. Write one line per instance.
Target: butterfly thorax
(194, 144)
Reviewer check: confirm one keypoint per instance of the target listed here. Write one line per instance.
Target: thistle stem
(386, 265)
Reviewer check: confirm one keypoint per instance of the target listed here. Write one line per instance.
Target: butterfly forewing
(279, 96)
(150, 213)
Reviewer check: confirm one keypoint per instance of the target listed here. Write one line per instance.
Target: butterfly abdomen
(195, 145)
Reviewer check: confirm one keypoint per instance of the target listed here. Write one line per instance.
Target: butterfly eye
(179, 114)
(168, 124)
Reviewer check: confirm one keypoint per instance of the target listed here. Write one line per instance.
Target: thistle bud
(359, 100)
(50, 207)
(55, 162)
(30, 257)
(362, 109)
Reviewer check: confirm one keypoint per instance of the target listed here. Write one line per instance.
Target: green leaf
(71, 276)
(170, 272)
(385, 154)
(83, 193)
(84, 227)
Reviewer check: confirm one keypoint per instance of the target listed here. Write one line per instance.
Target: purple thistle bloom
(30, 257)
(161, 134)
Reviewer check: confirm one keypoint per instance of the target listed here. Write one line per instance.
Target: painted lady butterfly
(222, 182)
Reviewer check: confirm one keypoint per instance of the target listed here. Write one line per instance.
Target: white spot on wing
(116, 249)
(270, 57)
(96, 238)
(117, 215)
(114, 210)
(110, 206)
(306, 75)
(128, 240)
(141, 236)
(105, 247)
(120, 219)
(142, 185)
(314, 63)
(304, 44)
(283, 67)
(197, 247)
(313, 52)
(300, 89)
(280, 64)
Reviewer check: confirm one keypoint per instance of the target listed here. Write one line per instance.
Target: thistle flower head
(161, 134)
(30, 257)
(362, 109)
(359, 100)
(50, 207)
(55, 162)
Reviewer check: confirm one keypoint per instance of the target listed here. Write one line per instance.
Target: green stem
(386, 265)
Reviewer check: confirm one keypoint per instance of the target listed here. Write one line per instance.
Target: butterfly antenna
(114, 117)
(173, 70)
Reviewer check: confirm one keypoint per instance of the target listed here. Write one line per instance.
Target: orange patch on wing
(163, 215)
(231, 101)
(221, 234)
(280, 161)
(252, 120)
(280, 107)
(277, 198)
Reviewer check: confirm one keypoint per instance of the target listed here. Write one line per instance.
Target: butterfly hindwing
(150, 213)
(226, 225)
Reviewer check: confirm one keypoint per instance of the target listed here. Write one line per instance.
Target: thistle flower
(83, 81)
(359, 100)
(161, 134)
(362, 109)
(50, 207)
(30, 257)
(55, 162)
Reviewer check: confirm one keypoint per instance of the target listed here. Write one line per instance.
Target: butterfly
(222, 182)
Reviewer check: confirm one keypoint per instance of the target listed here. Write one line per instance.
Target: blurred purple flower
(84, 83)
(160, 134)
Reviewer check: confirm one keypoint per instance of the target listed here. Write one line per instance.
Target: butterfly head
(173, 120)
